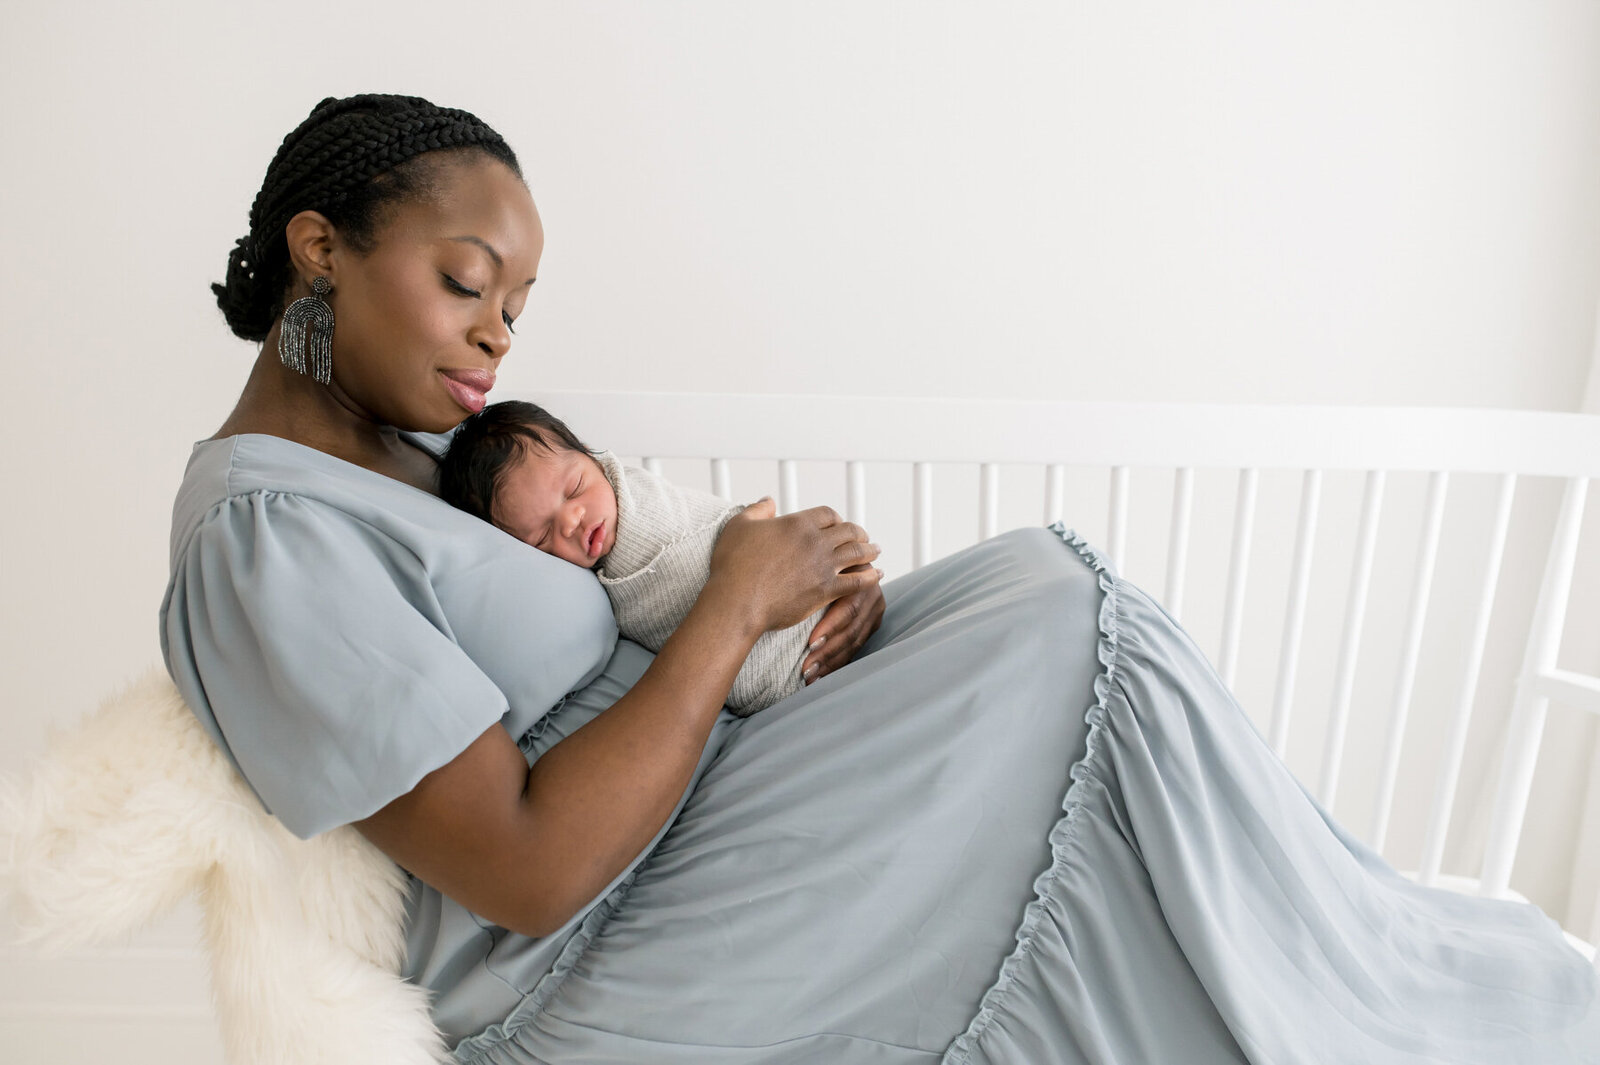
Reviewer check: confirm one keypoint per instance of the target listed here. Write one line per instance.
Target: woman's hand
(841, 631)
(782, 570)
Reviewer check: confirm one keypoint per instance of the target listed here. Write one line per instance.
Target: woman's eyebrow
(495, 255)
(485, 245)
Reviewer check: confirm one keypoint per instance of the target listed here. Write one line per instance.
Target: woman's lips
(469, 388)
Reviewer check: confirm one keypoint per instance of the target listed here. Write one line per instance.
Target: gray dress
(1027, 825)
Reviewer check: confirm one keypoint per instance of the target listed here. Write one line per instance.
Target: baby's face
(561, 503)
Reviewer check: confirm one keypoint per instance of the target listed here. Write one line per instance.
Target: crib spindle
(1526, 726)
(721, 479)
(988, 500)
(1244, 517)
(1355, 615)
(1178, 539)
(1421, 588)
(855, 507)
(1055, 493)
(1117, 523)
(1295, 615)
(921, 513)
(788, 486)
(1455, 747)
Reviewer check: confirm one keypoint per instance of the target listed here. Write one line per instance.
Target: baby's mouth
(596, 540)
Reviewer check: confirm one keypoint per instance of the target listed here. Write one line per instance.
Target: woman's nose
(491, 334)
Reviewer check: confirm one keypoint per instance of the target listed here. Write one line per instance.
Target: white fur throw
(134, 807)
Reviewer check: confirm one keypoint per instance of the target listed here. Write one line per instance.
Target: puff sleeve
(311, 646)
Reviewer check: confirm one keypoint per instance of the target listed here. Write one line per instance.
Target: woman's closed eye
(462, 290)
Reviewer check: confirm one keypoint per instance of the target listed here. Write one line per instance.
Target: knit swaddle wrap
(660, 561)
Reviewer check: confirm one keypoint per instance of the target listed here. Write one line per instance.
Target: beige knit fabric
(660, 561)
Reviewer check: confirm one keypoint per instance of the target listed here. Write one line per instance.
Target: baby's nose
(574, 518)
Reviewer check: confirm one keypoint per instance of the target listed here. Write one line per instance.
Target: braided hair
(349, 160)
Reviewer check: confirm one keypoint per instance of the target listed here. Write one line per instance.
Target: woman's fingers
(790, 565)
(838, 650)
(827, 518)
(849, 543)
(848, 533)
(765, 507)
(847, 530)
(845, 625)
(822, 517)
(851, 546)
(858, 578)
(852, 553)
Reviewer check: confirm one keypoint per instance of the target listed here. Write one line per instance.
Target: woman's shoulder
(270, 479)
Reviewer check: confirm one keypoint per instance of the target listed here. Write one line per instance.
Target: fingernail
(814, 644)
(811, 672)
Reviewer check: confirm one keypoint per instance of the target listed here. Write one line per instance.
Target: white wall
(1353, 202)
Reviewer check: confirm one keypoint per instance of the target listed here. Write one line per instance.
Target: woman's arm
(528, 847)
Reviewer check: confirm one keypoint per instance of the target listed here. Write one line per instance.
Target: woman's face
(422, 320)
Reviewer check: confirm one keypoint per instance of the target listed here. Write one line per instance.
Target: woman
(1027, 824)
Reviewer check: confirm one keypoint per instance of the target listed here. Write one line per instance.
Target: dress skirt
(1029, 825)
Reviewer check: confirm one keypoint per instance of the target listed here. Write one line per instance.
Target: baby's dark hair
(349, 160)
(491, 440)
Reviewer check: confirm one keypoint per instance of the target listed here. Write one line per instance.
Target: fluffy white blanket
(133, 808)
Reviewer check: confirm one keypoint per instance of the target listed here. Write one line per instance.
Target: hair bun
(240, 295)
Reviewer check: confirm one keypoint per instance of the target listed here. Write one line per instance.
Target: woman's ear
(311, 242)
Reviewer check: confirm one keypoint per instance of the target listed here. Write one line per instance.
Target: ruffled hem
(475, 1049)
(1086, 770)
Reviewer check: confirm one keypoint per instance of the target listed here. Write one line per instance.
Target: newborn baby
(649, 541)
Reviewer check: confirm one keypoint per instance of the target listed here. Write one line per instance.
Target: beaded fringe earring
(309, 315)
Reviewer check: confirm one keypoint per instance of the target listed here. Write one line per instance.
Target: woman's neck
(276, 401)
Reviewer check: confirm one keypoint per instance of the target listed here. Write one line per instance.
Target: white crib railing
(1130, 440)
